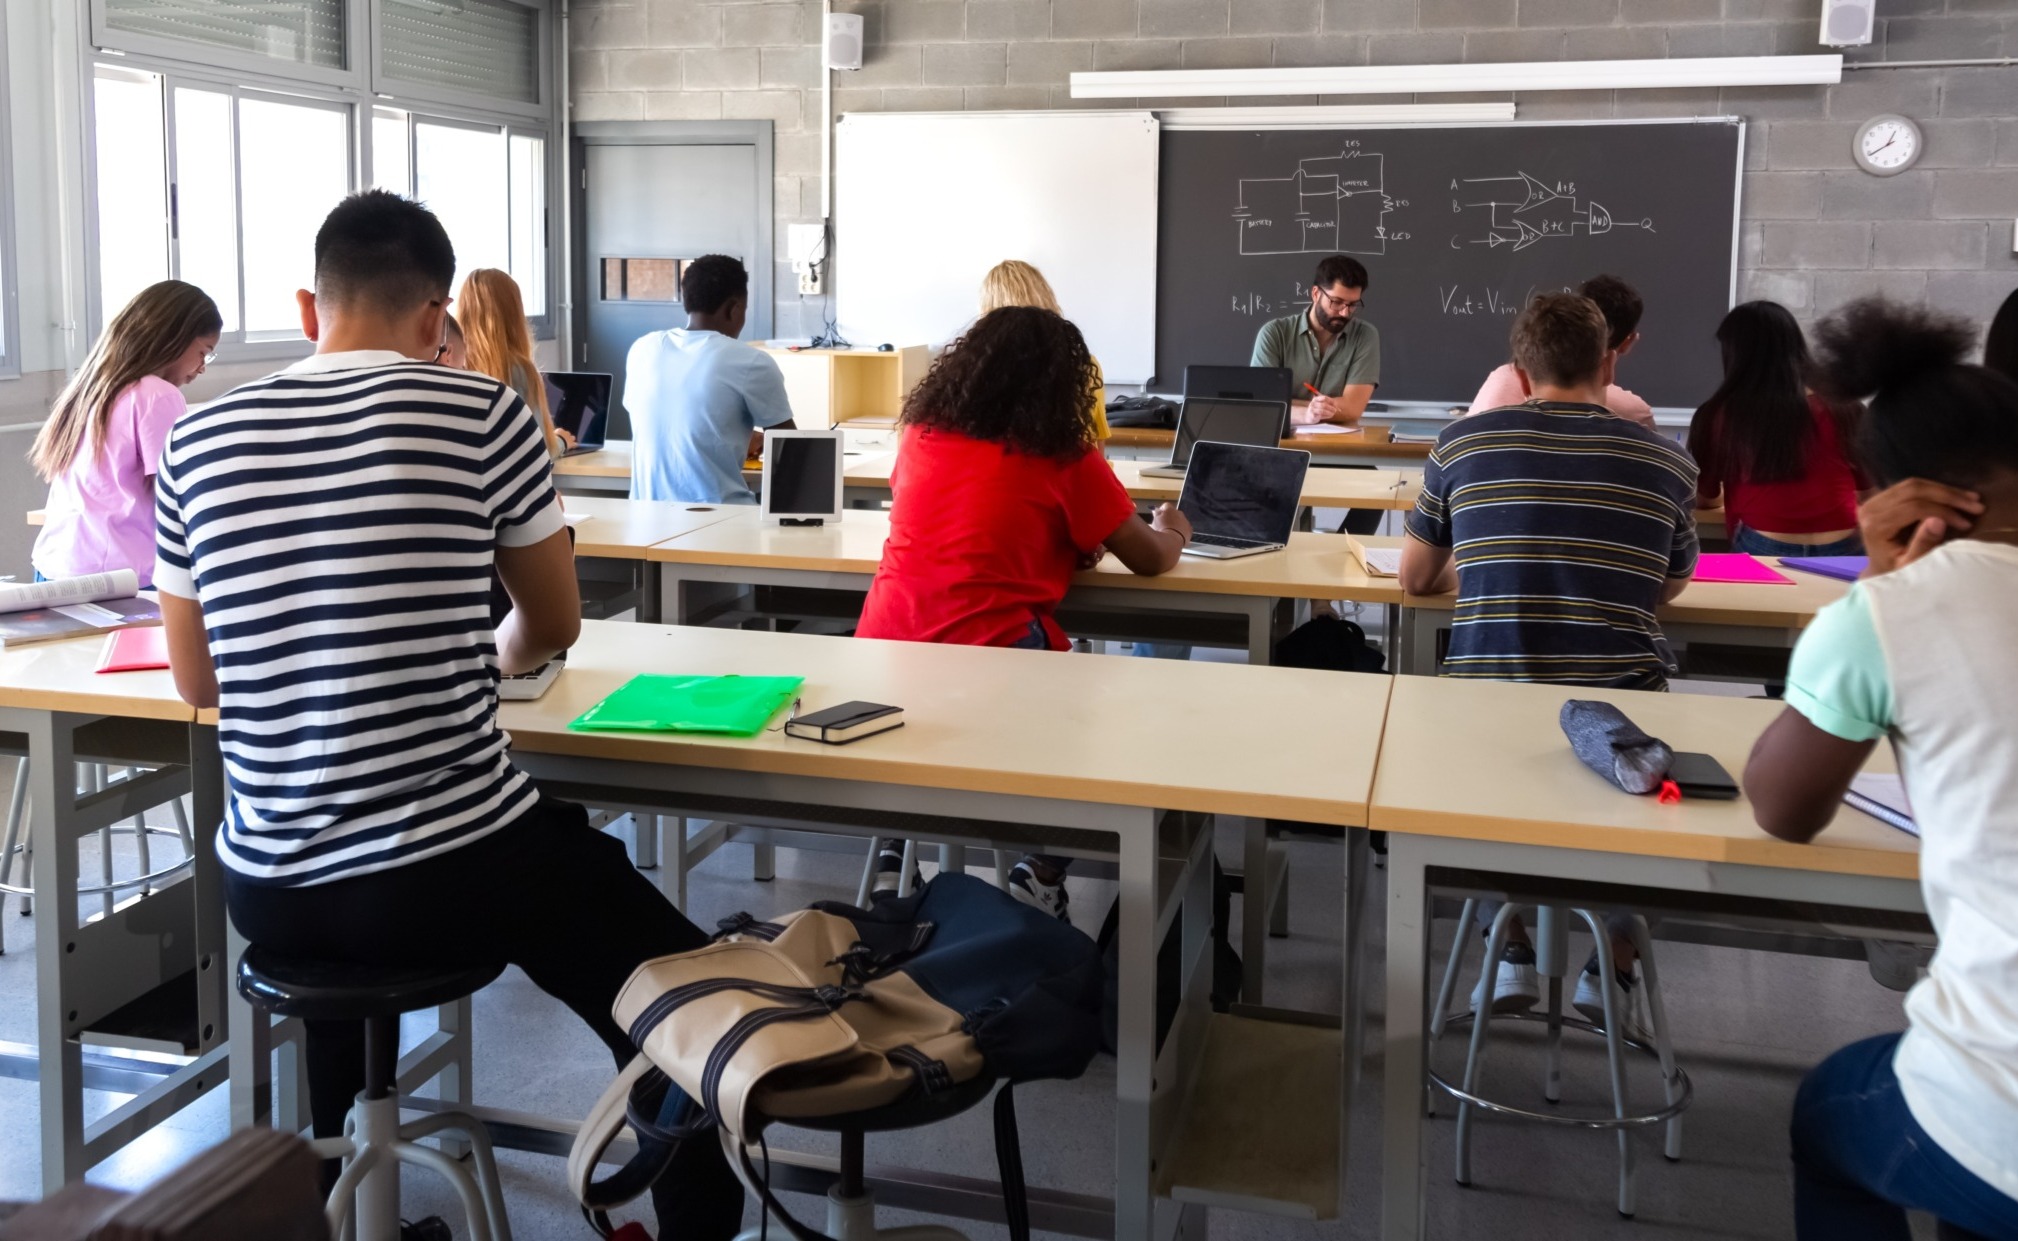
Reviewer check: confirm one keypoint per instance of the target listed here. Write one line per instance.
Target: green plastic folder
(738, 706)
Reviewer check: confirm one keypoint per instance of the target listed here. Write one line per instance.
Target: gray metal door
(648, 207)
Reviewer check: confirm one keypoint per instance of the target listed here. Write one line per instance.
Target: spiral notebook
(1739, 568)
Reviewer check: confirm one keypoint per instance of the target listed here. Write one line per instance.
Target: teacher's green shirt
(1354, 358)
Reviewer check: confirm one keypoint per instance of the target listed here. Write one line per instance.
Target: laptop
(1241, 500)
(1260, 423)
(580, 404)
(1238, 383)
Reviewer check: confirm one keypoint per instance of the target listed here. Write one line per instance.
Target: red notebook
(135, 650)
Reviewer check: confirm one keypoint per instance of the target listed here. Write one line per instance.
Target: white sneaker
(1514, 989)
(1590, 1002)
(1034, 892)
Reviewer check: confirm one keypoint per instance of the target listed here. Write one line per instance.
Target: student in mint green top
(1920, 653)
(700, 400)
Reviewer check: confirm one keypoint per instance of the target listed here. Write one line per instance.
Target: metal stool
(1552, 951)
(373, 1135)
(851, 1207)
(92, 777)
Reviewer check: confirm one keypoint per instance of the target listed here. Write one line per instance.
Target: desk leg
(651, 598)
(1402, 1170)
(1419, 628)
(251, 1053)
(1254, 897)
(214, 964)
(52, 800)
(1358, 878)
(1260, 630)
(1135, 1059)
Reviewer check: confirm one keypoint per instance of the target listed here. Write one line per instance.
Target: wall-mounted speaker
(1848, 23)
(844, 40)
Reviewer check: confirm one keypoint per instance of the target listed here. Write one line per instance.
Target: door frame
(585, 134)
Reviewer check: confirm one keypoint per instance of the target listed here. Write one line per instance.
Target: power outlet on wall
(806, 247)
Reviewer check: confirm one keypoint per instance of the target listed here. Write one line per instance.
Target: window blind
(482, 47)
(305, 32)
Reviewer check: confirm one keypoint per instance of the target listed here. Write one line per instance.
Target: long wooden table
(844, 555)
(57, 711)
(1372, 444)
(1730, 613)
(1477, 788)
(1004, 749)
(866, 481)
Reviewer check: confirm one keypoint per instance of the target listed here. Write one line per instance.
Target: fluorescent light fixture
(1664, 74)
(1332, 115)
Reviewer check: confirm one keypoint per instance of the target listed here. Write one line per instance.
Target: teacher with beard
(1332, 354)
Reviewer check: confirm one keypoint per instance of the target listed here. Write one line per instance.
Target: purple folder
(1846, 568)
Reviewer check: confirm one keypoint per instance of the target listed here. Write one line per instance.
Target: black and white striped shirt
(337, 521)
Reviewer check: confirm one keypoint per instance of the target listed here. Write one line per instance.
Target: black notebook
(851, 721)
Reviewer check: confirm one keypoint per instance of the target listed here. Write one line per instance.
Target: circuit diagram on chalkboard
(1331, 204)
(1521, 210)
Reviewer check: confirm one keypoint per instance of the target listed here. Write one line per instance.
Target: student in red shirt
(999, 495)
(1774, 452)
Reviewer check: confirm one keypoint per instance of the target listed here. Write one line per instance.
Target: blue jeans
(1746, 539)
(1161, 650)
(1861, 1161)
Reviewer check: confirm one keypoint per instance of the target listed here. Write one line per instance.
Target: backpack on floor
(834, 1010)
(1329, 643)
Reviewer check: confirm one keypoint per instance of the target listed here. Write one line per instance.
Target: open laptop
(1238, 383)
(580, 404)
(1241, 500)
(1261, 423)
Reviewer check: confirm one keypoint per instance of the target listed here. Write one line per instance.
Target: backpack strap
(1009, 1164)
(605, 1120)
(770, 1205)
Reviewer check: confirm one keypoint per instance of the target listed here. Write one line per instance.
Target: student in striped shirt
(1562, 527)
(326, 539)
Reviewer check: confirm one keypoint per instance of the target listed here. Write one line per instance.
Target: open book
(1375, 561)
(1883, 797)
(73, 607)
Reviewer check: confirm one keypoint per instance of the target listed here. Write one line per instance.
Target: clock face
(1888, 144)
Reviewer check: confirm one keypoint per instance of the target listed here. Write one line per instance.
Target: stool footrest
(1685, 1091)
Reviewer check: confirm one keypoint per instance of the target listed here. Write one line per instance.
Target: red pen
(1312, 389)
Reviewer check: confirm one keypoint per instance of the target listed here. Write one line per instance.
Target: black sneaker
(884, 883)
(1025, 886)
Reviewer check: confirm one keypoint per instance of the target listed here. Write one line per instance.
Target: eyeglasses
(1339, 303)
(441, 351)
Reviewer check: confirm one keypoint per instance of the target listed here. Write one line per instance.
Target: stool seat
(345, 991)
(911, 1113)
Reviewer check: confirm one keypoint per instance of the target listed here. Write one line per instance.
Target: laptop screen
(1260, 423)
(580, 404)
(801, 481)
(1238, 383)
(1241, 492)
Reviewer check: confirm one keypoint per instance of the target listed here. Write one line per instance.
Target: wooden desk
(843, 556)
(1374, 445)
(867, 481)
(624, 529)
(1002, 749)
(51, 695)
(1477, 777)
(1728, 613)
(606, 470)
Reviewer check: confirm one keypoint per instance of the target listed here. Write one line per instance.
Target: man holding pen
(1332, 353)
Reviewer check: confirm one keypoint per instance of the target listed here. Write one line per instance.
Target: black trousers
(547, 894)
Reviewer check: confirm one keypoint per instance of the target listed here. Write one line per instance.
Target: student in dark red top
(1775, 453)
(1000, 494)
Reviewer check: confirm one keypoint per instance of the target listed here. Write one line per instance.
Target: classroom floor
(1746, 1027)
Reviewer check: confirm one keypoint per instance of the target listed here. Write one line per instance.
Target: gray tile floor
(1746, 1027)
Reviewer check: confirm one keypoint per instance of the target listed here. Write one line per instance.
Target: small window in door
(641, 280)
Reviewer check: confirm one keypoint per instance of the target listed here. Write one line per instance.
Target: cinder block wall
(1816, 229)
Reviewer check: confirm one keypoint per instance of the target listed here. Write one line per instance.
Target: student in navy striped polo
(1561, 527)
(326, 538)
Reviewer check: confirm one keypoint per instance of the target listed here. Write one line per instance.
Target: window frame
(402, 92)
(10, 297)
(225, 71)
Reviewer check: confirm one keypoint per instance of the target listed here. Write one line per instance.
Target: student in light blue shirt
(699, 401)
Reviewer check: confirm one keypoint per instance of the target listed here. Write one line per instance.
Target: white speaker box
(1848, 23)
(844, 40)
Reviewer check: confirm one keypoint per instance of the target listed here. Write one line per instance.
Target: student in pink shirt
(102, 442)
(1622, 309)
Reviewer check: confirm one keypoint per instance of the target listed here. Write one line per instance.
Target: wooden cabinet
(828, 387)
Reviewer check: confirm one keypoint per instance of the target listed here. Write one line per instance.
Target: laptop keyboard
(1220, 540)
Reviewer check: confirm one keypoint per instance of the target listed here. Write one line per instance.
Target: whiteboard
(926, 203)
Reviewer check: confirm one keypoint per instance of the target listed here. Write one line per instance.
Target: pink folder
(1738, 567)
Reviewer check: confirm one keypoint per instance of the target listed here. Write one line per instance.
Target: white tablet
(802, 477)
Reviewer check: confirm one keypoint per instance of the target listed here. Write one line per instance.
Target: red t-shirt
(985, 540)
(1821, 498)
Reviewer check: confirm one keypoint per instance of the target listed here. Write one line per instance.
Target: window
(10, 336)
(304, 32)
(470, 47)
(218, 186)
(486, 182)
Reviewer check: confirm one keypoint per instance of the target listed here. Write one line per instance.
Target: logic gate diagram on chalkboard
(1458, 227)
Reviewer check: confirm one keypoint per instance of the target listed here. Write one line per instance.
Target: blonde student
(497, 341)
(1013, 282)
(101, 447)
